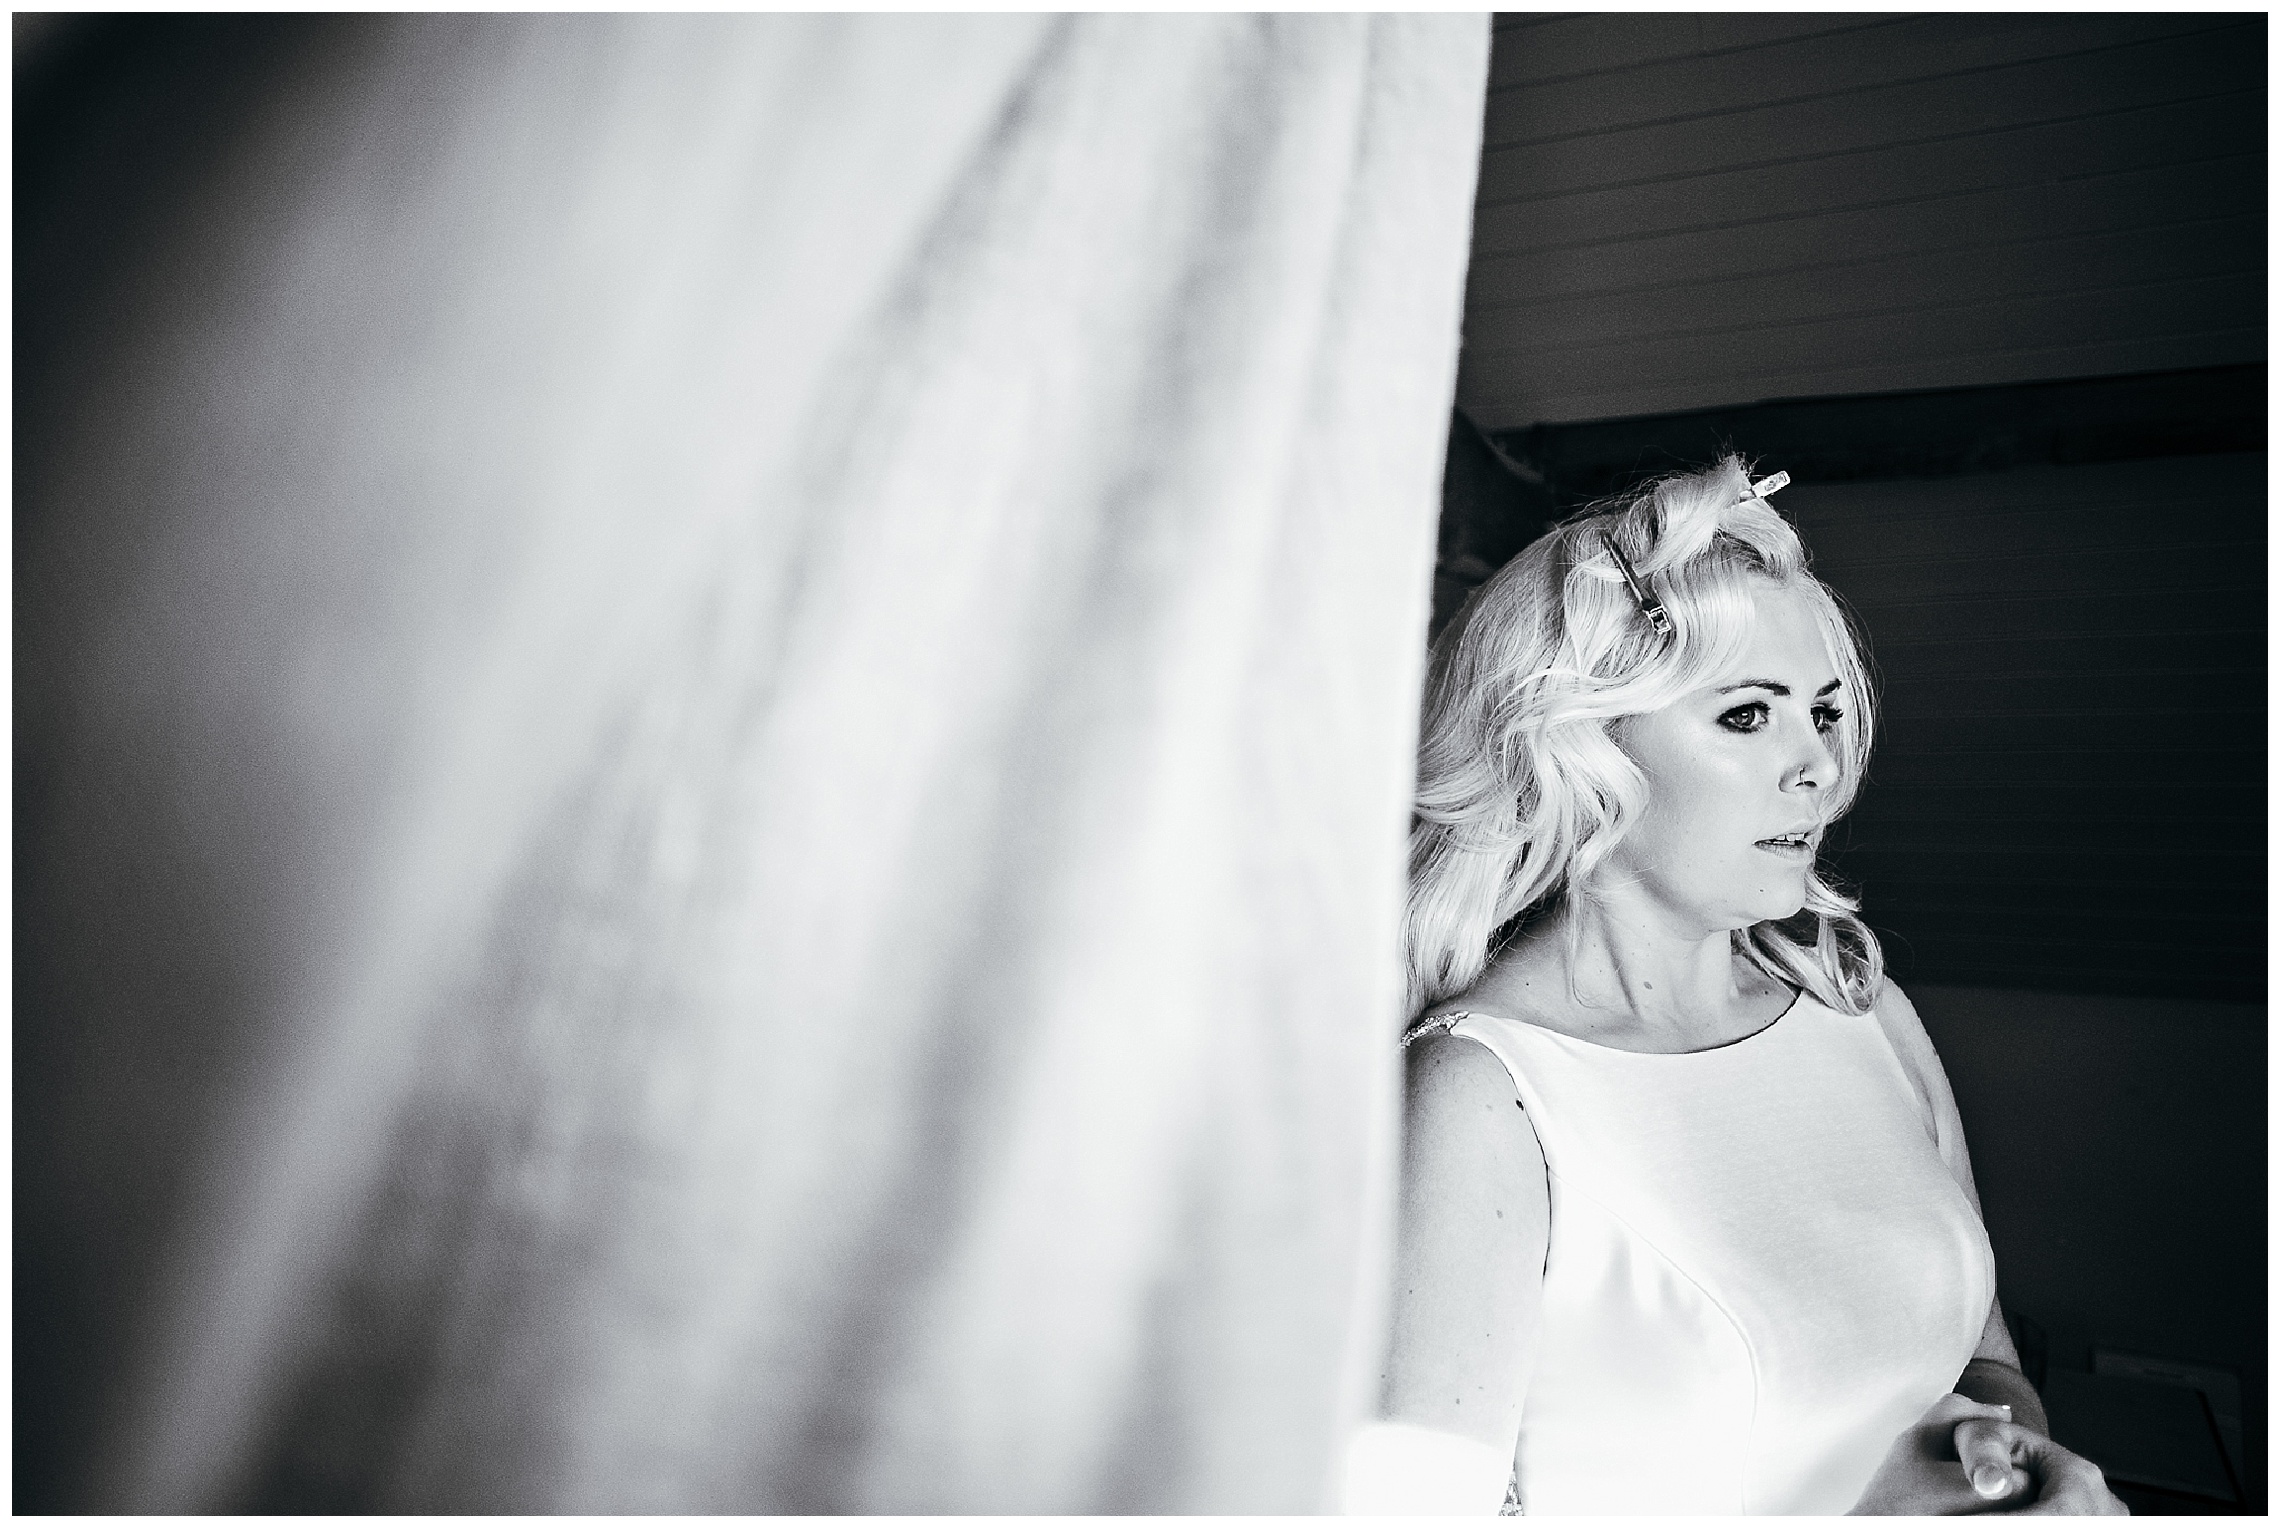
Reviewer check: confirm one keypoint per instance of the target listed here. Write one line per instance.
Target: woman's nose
(1815, 767)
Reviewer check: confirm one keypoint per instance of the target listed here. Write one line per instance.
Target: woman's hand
(1965, 1456)
(1926, 1472)
(2061, 1483)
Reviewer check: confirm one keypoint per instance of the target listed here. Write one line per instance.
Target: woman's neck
(1619, 967)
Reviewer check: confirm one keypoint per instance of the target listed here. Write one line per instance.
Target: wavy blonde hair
(1522, 789)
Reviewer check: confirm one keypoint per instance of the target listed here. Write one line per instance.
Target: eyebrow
(1777, 688)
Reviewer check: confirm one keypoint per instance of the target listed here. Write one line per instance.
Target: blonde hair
(1522, 789)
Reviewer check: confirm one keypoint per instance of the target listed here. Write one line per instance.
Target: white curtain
(751, 682)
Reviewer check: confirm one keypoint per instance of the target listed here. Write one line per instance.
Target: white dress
(1761, 1266)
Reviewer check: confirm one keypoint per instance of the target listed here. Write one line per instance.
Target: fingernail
(1991, 1480)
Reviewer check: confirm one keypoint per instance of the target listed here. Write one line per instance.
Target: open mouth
(1788, 843)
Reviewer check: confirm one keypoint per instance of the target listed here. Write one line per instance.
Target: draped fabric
(714, 729)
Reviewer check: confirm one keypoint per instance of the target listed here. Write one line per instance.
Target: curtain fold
(715, 720)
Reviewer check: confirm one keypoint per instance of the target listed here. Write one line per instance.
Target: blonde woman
(1687, 1221)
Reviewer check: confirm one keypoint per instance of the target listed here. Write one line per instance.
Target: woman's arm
(2037, 1476)
(1993, 1375)
(1905, 1031)
(1469, 1257)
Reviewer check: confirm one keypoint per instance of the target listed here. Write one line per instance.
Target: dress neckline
(1449, 1019)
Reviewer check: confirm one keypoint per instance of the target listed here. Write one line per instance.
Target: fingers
(2071, 1486)
(1960, 1408)
(2079, 1494)
(1919, 1474)
(1988, 1449)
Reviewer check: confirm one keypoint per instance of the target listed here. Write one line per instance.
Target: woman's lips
(1788, 848)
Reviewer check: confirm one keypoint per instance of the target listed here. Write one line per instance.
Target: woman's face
(1739, 776)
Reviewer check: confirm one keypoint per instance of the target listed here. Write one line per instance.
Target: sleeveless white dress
(1761, 1267)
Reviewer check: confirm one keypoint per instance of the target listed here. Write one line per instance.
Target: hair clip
(1766, 485)
(1649, 606)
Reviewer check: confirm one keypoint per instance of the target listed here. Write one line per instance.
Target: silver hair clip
(1766, 485)
(1649, 606)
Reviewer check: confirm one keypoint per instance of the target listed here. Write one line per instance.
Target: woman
(1725, 1255)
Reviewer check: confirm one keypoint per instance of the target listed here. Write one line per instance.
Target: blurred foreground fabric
(714, 721)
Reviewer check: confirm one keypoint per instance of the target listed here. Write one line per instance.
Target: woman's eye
(1747, 718)
(1825, 718)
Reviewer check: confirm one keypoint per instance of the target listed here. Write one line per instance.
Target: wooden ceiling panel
(1851, 204)
(2140, 202)
(1531, 49)
(2057, 267)
(2161, 326)
(1840, 61)
(1965, 104)
(2191, 130)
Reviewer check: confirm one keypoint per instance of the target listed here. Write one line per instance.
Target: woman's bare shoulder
(1905, 1028)
(1463, 1110)
(1893, 1006)
(1449, 1071)
(1440, 1053)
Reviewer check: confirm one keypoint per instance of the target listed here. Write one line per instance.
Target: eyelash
(1825, 718)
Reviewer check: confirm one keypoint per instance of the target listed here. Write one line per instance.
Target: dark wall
(1491, 507)
(2069, 791)
(2119, 1145)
